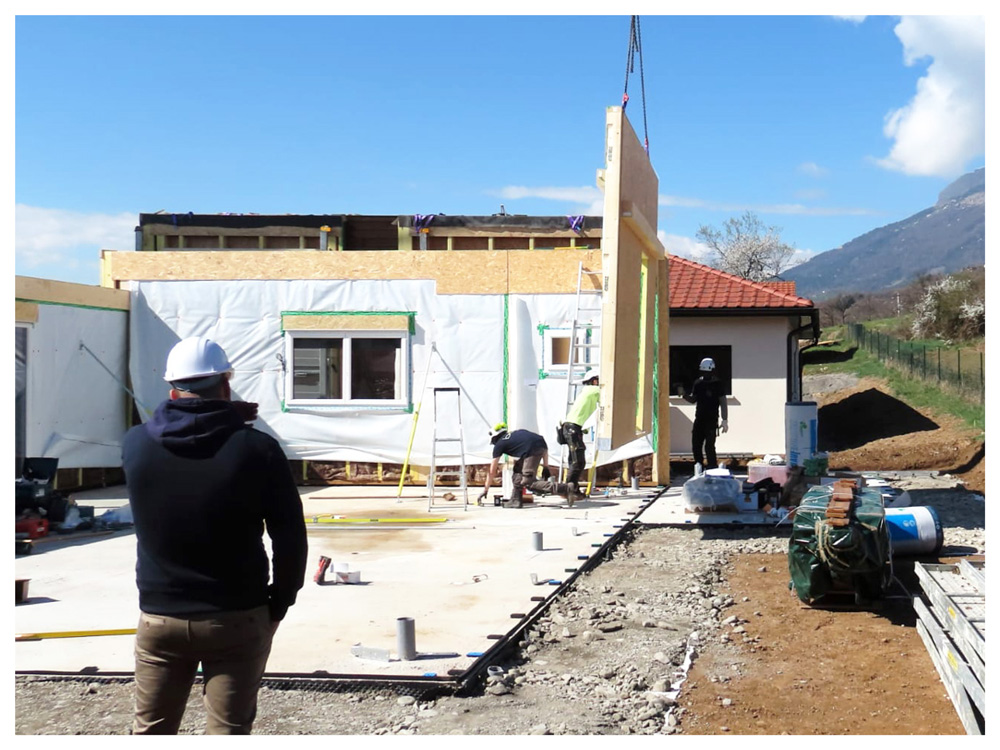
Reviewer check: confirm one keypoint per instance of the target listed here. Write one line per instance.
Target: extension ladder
(580, 350)
(448, 444)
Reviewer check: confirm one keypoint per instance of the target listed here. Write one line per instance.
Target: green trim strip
(656, 371)
(506, 357)
(70, 304)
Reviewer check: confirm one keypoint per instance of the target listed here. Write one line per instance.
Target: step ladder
(581, 350)
(450, 438)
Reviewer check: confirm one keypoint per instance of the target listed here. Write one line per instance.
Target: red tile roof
(694, 286)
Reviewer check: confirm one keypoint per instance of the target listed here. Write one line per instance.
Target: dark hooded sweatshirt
(202, 486)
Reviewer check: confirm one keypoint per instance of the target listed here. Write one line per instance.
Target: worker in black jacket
(203, 486)
(709, 397)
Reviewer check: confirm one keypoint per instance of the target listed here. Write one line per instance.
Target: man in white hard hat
(203, 485)
(709, 398)
(571, 430)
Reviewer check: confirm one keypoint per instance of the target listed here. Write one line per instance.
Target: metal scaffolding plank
(974, 572)
(959, 698)
(953, 657)
(960, 608)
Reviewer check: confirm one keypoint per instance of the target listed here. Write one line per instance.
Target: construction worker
(530, 450)
(709, 398)
(571, 429)
(203, 485)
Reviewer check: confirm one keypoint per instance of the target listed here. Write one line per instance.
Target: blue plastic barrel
(914, 530)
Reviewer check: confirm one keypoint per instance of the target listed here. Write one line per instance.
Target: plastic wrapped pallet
(712, 492)
(828, 559)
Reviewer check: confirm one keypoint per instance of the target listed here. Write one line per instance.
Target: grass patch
(844, 357)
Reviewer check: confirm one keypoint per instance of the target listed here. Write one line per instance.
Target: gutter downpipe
(794, 362)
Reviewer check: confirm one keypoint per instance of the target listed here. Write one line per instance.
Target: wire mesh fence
(962, 370)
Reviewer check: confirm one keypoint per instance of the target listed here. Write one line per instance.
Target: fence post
(959, 352)
(939, 365)
(982, 379)
(924, 375)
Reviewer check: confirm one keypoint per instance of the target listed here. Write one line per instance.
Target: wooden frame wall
(631, 257)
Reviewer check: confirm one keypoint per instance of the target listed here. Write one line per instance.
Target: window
(356, 359)
(557, 348)
(684, 361)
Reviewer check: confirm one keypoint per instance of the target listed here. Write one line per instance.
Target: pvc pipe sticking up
(406, 643)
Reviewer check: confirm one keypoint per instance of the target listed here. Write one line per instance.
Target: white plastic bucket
(914, 531)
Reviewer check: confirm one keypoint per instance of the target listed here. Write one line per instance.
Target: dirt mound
(865, 428)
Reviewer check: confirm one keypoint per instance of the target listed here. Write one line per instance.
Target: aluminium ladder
(580, 350)
(450, 440)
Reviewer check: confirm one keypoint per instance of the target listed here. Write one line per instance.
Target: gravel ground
(605, 659)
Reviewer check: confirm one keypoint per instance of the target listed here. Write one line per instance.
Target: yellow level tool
(330, 519)
(72, 634)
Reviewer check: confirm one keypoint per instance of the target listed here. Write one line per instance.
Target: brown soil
(802, 670)
(870, 430)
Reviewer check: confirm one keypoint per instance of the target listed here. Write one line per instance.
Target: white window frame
(402, 368)
(560, 370)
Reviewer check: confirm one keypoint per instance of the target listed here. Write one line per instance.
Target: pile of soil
(865, 428)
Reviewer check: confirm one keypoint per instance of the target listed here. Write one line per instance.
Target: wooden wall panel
(67, 293)
(627, 338)
(319, 322)
(456, 272)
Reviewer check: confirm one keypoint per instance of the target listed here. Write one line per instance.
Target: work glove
(546, 474)
(725, 427)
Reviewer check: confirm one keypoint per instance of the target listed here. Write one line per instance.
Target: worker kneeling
(529, 451)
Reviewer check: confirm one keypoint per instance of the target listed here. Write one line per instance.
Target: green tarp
(853, 559)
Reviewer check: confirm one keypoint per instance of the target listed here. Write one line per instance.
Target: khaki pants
(232, 648)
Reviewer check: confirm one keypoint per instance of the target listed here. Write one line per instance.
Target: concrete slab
(460, 578)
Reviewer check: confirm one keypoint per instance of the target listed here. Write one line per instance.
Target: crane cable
(635, 45)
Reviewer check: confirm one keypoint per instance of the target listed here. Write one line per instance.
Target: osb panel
(25, 312)
(552, 271)
(293, 322)
(629, 180)
(456, 272)
(68, 293)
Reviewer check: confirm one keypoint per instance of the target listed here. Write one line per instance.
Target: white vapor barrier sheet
(468, 331)
(76, 409)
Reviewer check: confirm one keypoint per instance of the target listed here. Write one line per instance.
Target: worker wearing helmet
(571, 430)
(529, 451)
(203, 486)
(709, 398)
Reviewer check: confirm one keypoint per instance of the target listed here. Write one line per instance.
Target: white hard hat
(707, 365)
(593, 372)
(196, 357)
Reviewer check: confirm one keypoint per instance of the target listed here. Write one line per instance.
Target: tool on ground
(71, 634)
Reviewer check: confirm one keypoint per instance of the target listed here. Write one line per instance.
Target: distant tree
(747, 248)
(838, 306)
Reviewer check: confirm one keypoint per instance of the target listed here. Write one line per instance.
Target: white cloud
(685, 247)
(851, 19)
(944, 126)
(796, 209)
(48, 236)
(813, 169)
(587, 200)
(810, 194)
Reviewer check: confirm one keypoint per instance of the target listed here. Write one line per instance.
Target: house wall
(75, 408)
(757, 404)
(492, 343)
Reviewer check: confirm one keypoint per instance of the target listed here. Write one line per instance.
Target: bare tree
(747, 248)
(838, 306)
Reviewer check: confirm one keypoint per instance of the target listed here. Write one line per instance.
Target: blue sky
(826, 126)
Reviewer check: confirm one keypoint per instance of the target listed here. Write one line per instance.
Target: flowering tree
(950, 309)
(747, 248)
